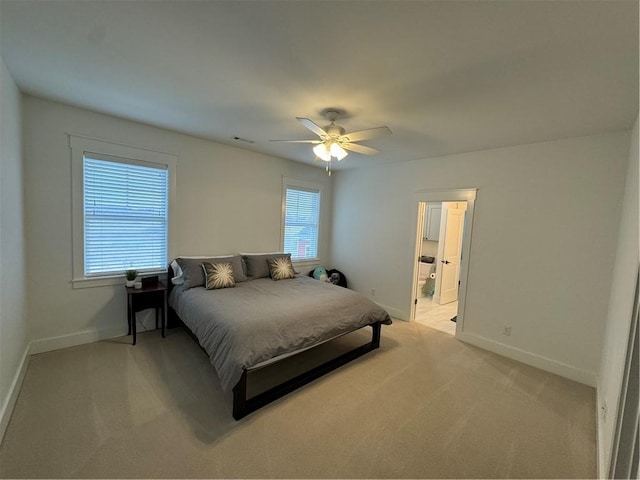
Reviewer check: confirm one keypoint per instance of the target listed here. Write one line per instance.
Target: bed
(261, 321)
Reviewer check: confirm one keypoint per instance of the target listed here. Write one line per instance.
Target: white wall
(13, 327)
(227, 200)
(543, 244)
(429, 248)
(620, 310)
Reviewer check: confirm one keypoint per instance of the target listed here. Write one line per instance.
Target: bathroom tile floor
(436, 316)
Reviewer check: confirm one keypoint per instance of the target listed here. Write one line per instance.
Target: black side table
(147, 297)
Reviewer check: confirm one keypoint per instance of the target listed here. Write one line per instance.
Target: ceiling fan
(334, 141)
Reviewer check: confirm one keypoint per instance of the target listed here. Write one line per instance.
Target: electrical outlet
(373, 292)
(506, 330)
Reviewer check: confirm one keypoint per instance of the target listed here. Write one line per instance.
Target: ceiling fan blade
(365, 134)
(314, 127)
(297, 141)
(354, 147)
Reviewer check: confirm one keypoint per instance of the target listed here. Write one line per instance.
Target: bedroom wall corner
(619, 314)
(13, 303)
(227, 200)
(533, 252)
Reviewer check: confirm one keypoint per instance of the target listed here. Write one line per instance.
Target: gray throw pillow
(193, 274)
(257, 266)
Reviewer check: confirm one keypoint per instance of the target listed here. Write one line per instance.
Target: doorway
(439, 265)
(443, 239)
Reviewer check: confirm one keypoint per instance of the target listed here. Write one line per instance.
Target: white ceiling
(445, 76)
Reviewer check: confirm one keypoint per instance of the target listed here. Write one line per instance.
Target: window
(125, 216)
(301, 221)
(121, 202)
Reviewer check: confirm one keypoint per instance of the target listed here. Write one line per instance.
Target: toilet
(424, 271)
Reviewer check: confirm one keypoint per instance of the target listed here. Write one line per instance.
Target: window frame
(81, 146)
(291, 183)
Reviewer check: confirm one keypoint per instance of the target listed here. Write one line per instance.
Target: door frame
(450, 195)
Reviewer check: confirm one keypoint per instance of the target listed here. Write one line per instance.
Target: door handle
(446, 262)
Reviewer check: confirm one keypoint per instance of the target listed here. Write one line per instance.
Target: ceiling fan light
(322, 151)
(337, 151)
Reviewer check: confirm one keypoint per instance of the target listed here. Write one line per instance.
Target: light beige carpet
(422, 406)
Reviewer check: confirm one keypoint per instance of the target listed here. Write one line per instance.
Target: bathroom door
(450, 253)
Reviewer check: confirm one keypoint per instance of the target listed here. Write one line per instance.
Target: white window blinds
(125, 215)
(302, 215)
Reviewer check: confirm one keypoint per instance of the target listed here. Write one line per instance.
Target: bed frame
(243, 406)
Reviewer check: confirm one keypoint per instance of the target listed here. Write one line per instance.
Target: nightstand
(139, 299)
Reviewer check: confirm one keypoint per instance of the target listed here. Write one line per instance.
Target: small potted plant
(131, 276)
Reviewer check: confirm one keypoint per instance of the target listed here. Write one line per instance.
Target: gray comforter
(261, 319)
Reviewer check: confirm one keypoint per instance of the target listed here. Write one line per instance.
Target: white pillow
(177, 279)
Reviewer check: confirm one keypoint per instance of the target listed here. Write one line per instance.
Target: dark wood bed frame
(243, 406)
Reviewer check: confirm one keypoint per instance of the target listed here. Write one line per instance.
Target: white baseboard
(71, 340)
(601, 463)
(14, 390)
(564, 370)
(47, 345)
(395, 312)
